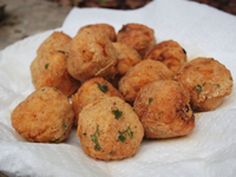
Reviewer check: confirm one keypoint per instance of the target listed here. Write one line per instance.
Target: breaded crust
(49, 69)
(170, 53)
(44, 116)
(141, 74)
(102, 28)
(137, 36)
(91, 54)
(164, 110)
(208, 82)
(127, 57)
(90, 91)
(109, 129)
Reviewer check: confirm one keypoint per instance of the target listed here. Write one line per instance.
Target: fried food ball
(170, 53)
(57, 41)
(109, 129)
(91, 54)
(208, 82)
(103, 28)
(164, 110)
(137, 36)
(127, 57)
(141, 74)
(90, 91)
(49, 69)
(44, 116)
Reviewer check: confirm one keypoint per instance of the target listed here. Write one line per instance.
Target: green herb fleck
(102, 2)
(46, 66)
(123, 134)
(65, 125)
(117, 113)
(150, 100)
(94, 139)
(198, 88)
(121, 137)
(102, 87)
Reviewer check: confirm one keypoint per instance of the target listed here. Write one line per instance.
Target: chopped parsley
(198, 88)
(46, 66)
(150, 100)
(122, 135)
(65, 125)
(117, 113)
(102, 87)
(94, 139)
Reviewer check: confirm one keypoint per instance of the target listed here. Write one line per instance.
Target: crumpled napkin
(210, 151)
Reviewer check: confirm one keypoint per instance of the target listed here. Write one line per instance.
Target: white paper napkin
(210, 151)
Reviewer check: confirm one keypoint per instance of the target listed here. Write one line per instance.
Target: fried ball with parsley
(127, 57)
(49, 69)
(208, 82)
(141, 74)
(44, 116)
(137, 36)
(57, 41)
(102, 28)
(170, 53)
(109, 129)
(91, 54)
(164, 110)
(90, 91)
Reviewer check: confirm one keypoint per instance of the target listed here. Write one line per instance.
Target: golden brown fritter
(49, 69)
(164, 110)
(90, 91)
(109, 129)
(137, 36)
(127, 57)
(57, 41)
(208, 82)
(170, 53)
(102, 28)
(44, 116)
(141, 74)
(91, 54)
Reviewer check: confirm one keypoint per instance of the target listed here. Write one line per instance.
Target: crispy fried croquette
(57, 41)
(109, 129)
(90, 91)
(141, 74)
(137, 36)
(91, 54)
(102, 28)
(208, 82)
(44, 116)
(127, 57)
(170, 53)
(164, 110)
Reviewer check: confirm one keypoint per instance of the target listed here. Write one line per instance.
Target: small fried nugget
(109, 129)
(141, 74)
(137, 36)
(90, 91)
(164, 110)
(57, 41)
(170, 53)
(49, 69)
(102, 28)
(127, 57)
(208, 82)
(44, 116)
(91, 54)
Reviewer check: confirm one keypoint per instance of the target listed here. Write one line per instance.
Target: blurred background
(22, 18)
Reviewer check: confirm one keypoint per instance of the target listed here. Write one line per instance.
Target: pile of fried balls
(115, 89)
